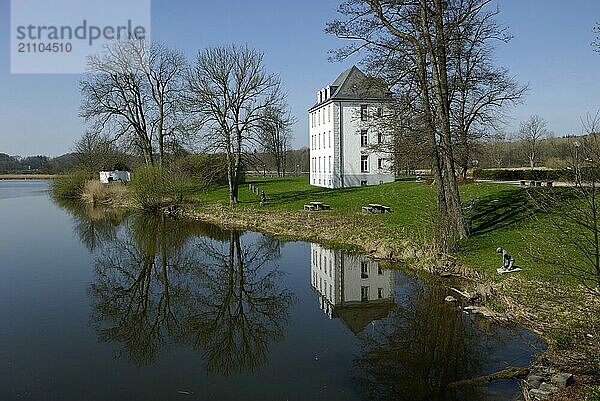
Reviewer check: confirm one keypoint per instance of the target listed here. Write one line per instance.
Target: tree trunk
(452, 224)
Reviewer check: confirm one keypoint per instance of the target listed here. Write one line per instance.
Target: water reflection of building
(352, 288)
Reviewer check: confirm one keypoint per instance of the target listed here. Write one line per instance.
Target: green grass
(498, 215)
(413, 204)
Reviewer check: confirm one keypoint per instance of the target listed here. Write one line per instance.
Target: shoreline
(533, 304)
(553, 310)
(20, 177)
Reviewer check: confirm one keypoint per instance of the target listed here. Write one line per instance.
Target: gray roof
(353, 84)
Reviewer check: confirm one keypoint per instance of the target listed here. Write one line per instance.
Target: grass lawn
(413, 203)
(499, 215)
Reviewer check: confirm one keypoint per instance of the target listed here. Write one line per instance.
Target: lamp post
(264, 170)
(577, 176)
(297, 170)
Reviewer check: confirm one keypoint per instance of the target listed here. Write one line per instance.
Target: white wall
(326, 168)
(352, 127)
(322, 145)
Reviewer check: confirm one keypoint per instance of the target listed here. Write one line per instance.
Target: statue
(508, 262)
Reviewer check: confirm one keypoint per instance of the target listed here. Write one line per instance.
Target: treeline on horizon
(297, 162)
(496, 152)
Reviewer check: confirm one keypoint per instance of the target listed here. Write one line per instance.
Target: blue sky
(550, 51)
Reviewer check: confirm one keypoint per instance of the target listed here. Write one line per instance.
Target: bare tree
(480, 90)
(596, 42)
(275, 137)
(496, 148)
(531, 132)
(404, 141)
(131, 94)
(412, 43)
(230, 94)
(164, 73)
(94, 152)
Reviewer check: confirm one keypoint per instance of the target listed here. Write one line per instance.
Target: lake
(104, 305)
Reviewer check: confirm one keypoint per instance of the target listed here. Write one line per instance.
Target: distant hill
(35, 164)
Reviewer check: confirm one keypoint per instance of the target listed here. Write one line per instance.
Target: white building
(352, 288)
(343, 132)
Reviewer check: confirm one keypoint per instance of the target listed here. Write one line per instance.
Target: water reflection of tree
(241, 308)
(156, 286)
(419, 350)
(93, 225)
(138, 290)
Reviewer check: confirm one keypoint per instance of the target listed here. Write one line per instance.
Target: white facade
(342, 134)
(109, 176)
(352, 288)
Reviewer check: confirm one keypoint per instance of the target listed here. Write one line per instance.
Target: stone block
(562, 380)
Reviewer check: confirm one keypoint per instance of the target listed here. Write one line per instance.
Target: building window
(329, 113)
(329, 164)
(364, 138)
(364, 164)
(380, 163)
(329, 138)
(379, 112)
(363, 112)
(364, 269)
(364, 293)
(379, 271)
(379, 137)
(380, 293)
(363, 183)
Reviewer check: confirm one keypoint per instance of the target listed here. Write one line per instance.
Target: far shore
(29, 176)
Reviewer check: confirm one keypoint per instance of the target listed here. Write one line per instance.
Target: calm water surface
(104, 306)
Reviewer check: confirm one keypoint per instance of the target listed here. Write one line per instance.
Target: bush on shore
(97, 193)
(155, 187)
(71, 185)
(205, 170)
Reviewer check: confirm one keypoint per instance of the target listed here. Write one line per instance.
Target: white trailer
(111, 176)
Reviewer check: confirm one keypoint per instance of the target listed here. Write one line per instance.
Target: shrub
(112, 194)
(154, 187)
(526, 175)
(71, 185)
(206, 170)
